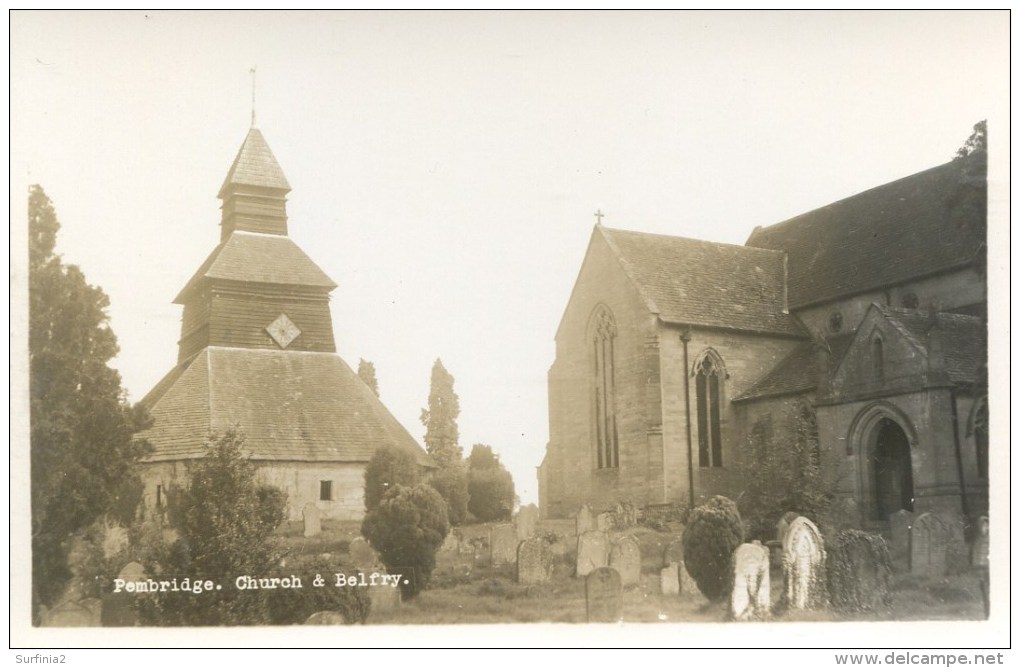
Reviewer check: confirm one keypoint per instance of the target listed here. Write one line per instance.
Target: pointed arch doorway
(890, 471)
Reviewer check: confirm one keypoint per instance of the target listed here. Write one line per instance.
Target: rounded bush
(388, 468)
(406, 528)
(490, 494)
(713, 532)
(452, 485)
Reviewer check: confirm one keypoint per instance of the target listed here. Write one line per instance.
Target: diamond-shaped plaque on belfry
(283, 331)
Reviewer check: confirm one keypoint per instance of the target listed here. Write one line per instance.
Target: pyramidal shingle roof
(290, 406)
(694, 282)
(255, 165)
(259, 258)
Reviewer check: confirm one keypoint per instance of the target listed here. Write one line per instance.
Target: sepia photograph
(511, 329)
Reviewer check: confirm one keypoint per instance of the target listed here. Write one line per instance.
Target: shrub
(295, 606)
(226, 520)
(452, 485)
(713, 532)
(859, 571)
(406, 528)
(785, 469)
(491, 493)
(388, 468)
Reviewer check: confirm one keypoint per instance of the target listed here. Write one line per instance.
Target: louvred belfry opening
(255, 191)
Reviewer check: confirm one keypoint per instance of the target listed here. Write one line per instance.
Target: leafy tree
(491, 491)
(388, 468)
(226, 520)
(783, 470)
(713, 532)
(977, 142)
(440, 419)
(83, 457)
(366, 372)
(452, 485)
(407, 528)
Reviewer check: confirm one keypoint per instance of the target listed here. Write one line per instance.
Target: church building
(871, 312)
(257, 354)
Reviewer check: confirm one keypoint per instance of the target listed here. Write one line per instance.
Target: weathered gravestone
(592, 552)
(326, 618)
(584, 521)
(783, 525)
(604, 521)
(979, 550)
(899, 538)
(859, 570)
(928, 541)
(115, 539)
(751, 594)
(384, 598)
(363, 556)
(602, 592)
(803, 565)
(118, 609)
(674, 554)
(503, 544)
(669, 580)
(526, 521)
(534, 561)
(451, 543)
(313, 519)
(625, 557)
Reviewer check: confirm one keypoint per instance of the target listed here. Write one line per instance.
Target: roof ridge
(705, 242)
(628, 270)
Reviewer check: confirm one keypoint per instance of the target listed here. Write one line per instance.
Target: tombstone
(115, 539)
(928, 539)
(326, 618)
(384, 599)
(71, 614)
(585, 521)
(602, 591)
(669, 580)
(592, 552)
(803, 564)
(119, 609)
(503, 544)
(979, 550)
(688, 586)
(859, 572)
(451, 543)
(604, 522)
(750, 597)
(526, 522)
(674, 553)
(784, 524)
(313, 519)
(625, 557)
(363, 556)
(899, 537)
(534, 562)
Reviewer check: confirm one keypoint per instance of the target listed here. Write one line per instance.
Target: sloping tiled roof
(687, 281)
(255, 165)
(291, 406)
(796, 372)
(964, 338)
(919, 225)
(259, 258)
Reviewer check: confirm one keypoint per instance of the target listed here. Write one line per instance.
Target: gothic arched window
(709, 375)
(602, 337)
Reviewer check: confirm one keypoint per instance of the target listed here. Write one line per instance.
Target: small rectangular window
(159, 496)
(325, 490)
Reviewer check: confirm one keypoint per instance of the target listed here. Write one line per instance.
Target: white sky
(445, 167)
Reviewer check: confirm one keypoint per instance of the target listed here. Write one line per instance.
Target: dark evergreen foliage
(388, 468)
(440, 419)
(713, 532)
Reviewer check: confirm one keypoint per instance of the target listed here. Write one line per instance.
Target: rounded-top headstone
(326, 618)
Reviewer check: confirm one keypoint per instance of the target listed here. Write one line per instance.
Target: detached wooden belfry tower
(257, 354)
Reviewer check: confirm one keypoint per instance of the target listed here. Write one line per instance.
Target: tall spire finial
(253, 95)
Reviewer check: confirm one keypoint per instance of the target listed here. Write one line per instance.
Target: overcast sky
(446, 167)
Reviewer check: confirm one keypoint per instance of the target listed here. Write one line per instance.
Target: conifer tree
(366, 372)
(82, 453)
(440, 419)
